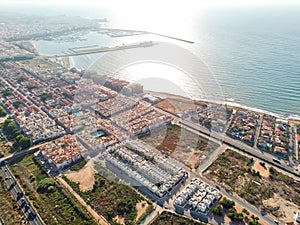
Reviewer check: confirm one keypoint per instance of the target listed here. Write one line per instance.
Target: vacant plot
(235, 172)
(55, 204)
(182, 144)
(261, 168)
(10, 214)
(167, 218)
(5, 147)
(176, 106)
(286, 209)
(117, 202)
(85, 177)
(141, 208)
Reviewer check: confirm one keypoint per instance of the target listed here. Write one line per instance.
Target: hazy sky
(155, 3)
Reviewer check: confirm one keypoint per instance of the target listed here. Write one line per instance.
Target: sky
(154, 3)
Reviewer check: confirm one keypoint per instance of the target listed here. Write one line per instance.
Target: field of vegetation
(78, 166)
(234, 172)
(13, 134)
(167, 218)
(182, 144)
(5, 147)
(115, 201)
(54, 203)
(237, 216)
(9, 208)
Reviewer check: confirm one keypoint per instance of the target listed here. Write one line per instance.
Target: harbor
(84, 51)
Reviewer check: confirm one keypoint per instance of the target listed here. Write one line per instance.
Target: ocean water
(252, 53)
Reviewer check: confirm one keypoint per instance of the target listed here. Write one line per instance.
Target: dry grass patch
(141, 208)
(183, 145)
(258, 184)
(85, 177)
(263, 170)
(286, 210)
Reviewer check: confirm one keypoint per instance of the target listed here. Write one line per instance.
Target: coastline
(34, 42)
(69, 62)
(229, 104)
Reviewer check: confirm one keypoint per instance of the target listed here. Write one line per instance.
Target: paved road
(296, 144)
(242, 147)
(22, 152)
(236, 144)
(257, 131)
(242, 202)
(28, 210)
(210, 158)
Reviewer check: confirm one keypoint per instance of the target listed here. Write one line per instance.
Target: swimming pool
(98, 133)
(79, 113)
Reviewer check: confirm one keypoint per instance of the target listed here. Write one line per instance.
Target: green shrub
(226, 203)
(218, 210)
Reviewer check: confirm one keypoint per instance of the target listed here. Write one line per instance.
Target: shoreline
(232, 105)
(69, 63)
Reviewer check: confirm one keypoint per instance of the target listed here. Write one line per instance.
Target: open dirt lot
(286, 211)
(85, 177)
(275, 192)
(181, 144)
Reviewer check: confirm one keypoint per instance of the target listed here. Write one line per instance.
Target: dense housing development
(146, 139)
(79, 118)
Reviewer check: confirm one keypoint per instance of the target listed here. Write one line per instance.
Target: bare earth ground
(2, 119)
(278, 194)
(5, 147)
(264, 171)
(141, 208)
(85, 178)
(176, 106)
(181, 144)
(286, 210)
(119, 220)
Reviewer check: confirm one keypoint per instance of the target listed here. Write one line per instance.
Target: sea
(249, 56)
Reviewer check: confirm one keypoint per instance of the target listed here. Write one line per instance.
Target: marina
(85, 51)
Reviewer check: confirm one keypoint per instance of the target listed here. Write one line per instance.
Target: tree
(45, 184)
(218, 210)
(226, 203)
(250, 162)
(235, 216)
(272, 170)
(254, 221)
(10, 129)
(51, 189)
(2, 112)
(245, 211)
(24, 142)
